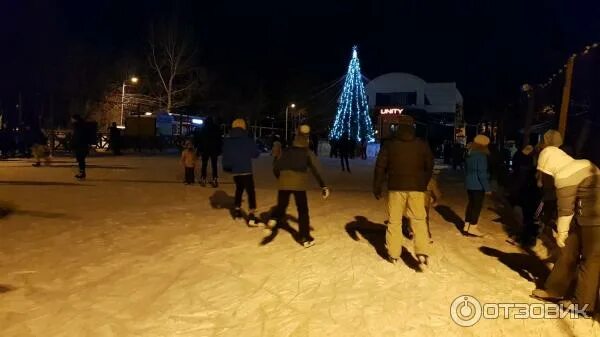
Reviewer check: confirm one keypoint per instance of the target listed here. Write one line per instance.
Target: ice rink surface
(131, 251)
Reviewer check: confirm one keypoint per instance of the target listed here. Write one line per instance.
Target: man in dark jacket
(79, 144)
(115, 139)
(578, 196)
(238, 152)
(291, 170)
(209, 146)
(345, 148)
(406, 163)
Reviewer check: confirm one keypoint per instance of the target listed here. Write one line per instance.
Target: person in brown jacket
(406, 163)
(291, 170)
(578, 197)
(189, 160)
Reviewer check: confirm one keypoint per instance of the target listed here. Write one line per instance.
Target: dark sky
(488, 47)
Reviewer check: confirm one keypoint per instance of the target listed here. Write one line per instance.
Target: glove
(325, 192)
(377, 193)
(561, 237)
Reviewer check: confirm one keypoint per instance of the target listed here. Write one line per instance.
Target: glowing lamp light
(197, 121)
(134, 79)
(292, 105)
(148, 114)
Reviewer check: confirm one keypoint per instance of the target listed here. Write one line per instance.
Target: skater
(525, 194)
(578, 196)
(344, 147)
(115, 139)
(276, 148)
(458, 156)
(39, 149)
(209, 148)
(432, 198)
(238, 151)
(291, 170)
(546, 183)
(79, 144)
(477, 183)
(189, 160)
(406, 163)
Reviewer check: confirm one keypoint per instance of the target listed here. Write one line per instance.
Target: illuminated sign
(391, 111)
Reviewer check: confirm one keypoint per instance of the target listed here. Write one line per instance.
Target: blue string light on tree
(352, 117)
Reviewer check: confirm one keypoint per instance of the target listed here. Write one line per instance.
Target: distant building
(400, 93)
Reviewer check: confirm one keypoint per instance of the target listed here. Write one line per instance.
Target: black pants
(80, 155)
(245, 183)
(579, 262)
(213, 165)
(344, 160)
(474, 206)
(283, 200)
(189, 175)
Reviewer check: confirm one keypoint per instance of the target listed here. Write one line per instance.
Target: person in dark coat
(79, 144)
(6, 141)
(115, 139)
(477, 181)
(406, 163)
(238, 152)
(578, 198)
(291, 170)
(458, 156)
(524, 193)
(39, 146)
(209, 146)
(344, 148)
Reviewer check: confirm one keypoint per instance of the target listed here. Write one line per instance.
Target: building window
(396, 99)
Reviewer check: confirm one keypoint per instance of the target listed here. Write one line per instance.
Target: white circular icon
(465, 310)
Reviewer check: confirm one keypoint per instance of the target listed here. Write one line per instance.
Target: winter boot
(203, 182)
(80, 176)
(270, 226)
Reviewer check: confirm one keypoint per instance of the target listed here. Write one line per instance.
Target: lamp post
(286, 119)
(133, 80)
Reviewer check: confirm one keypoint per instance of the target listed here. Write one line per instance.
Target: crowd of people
(24, 141)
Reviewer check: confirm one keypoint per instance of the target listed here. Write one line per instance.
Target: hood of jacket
(405, 133)
(238, 133)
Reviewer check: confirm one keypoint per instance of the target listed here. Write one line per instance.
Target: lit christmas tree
(352, 116)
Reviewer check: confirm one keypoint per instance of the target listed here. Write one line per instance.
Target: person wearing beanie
(291, 170)
(238, 151)
(578, 197)
(189, 160)
(477, 182)
(406, 164)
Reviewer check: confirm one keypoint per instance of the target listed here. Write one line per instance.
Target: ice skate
(252, 222)
(543, 295)
(473, 230)
(203, 182)
(423, 262)
(80, 176)
(214, 183)
(237, 213)
(308, 242)
(36, 164)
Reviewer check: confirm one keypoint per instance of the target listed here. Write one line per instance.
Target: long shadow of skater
(449, 215)
(7, 209)
(374, 233)
(529, 267)
(221, 200)
(5, 288)
(41, 183)
(282, 225)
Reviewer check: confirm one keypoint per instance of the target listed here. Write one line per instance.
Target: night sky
(488, 47)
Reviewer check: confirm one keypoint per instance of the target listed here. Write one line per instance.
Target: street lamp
(286, 119)
(133, 80)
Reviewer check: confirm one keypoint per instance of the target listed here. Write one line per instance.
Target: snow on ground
(133, 252)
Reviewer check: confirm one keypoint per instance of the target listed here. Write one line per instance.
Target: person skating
(209, 147)
(80, 144)
(238, 152)
(406, 163)
(525, 193)
(477, 182)
(115, 139)
(39, 147)
(578, 197)
(291, 170)
(189, 160)
(345, 147)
